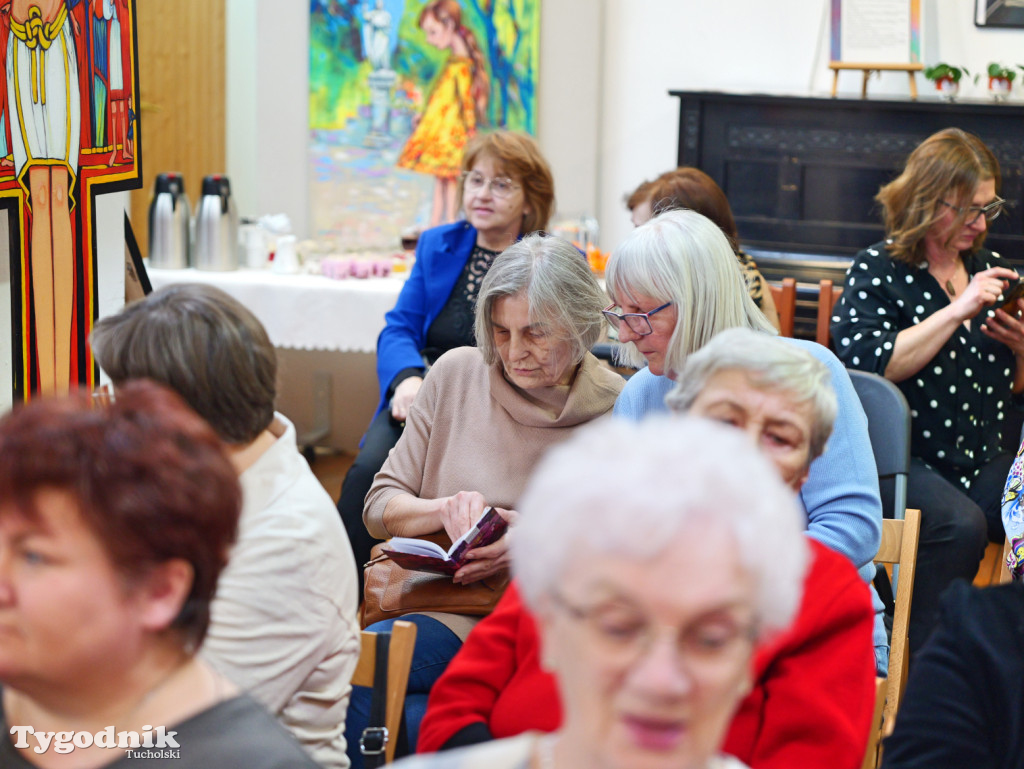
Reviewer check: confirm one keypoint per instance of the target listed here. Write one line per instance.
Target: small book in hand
(423, 555)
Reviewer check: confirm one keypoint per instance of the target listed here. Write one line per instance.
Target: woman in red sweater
(812, 699)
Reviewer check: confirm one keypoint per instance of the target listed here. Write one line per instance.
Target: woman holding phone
(926, 309)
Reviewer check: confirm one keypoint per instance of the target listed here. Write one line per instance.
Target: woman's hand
(460, 511)
(484, 562)
(404, 395)
(1007, 329)
(983, 290)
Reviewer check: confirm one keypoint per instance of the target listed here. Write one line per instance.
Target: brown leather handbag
(391, 591)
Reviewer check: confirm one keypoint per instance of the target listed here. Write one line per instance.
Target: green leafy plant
(942, 71)
(999, 71)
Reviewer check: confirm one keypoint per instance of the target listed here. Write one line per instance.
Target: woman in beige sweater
(482, 420)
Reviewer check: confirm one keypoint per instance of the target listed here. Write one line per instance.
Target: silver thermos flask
(216, 246)
(169, 217)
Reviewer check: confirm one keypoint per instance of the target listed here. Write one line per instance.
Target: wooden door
(182, 95)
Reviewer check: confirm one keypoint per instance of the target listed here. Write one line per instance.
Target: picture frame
(1004, 14)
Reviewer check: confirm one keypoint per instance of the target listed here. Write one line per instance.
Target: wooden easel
(868, 68)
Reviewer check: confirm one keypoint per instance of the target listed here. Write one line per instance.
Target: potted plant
(946, 78)
(1000, 80)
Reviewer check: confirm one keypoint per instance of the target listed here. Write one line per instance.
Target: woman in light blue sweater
(675, 283)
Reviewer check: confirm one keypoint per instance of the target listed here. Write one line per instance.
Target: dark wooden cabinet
(801, 173)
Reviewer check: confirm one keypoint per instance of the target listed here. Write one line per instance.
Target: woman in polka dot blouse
(918, 309)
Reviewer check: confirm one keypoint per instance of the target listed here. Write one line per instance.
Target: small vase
(947, 87)
(999, 87)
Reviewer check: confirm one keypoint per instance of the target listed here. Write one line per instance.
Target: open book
(423, 555)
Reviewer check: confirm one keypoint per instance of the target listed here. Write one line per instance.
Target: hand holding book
(478, 553)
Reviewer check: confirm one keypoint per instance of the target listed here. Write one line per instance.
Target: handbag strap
(374, 741)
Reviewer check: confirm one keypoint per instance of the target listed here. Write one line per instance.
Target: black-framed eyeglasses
(639, 322)
(990, 211)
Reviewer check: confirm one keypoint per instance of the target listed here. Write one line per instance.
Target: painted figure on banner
(64, 77)
(457, 103)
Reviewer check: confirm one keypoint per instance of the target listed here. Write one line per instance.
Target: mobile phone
(1010, 304)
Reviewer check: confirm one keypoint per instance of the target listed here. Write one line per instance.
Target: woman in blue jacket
(507, 191)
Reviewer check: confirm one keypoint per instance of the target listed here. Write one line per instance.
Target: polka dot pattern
(960, 397)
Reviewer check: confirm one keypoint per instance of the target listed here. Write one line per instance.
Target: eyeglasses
(623, 636)
(639, 322)
(501, 187)
(990, 212)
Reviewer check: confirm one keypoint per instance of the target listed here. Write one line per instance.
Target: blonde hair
(950, 163)
(683, 257)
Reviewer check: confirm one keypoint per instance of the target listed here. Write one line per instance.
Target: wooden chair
(899, 546)
(403, 639)
(785, 304)
(992, 569)
(827, 298)
(1005, 575)
(872, 755)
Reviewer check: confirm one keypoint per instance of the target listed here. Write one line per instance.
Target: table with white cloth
(325, 332)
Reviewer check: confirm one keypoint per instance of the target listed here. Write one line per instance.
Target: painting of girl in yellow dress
(457, 103)
(396, 90)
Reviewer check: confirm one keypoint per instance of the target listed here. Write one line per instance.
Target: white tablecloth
(305, 312)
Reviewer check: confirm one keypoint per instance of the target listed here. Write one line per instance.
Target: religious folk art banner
(68, 133)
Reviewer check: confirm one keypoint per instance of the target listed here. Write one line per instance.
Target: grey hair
(205, 346)
(606, 491)
(561, 291)
(771, 364)
(682, 257)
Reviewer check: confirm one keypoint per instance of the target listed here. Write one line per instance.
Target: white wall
(605, 119)
(267, 118)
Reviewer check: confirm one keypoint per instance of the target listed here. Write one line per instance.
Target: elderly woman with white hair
(816, 678)
(674, 284)
(651, 592)
(480, 423)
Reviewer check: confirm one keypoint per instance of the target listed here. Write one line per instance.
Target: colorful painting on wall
(68, 133)
(397, 87)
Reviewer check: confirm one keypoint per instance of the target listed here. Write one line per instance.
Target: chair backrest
(899, 547)
(828, 295)
(993, 569)
(1005, 575)
(888, 429)
(403, 639)
(785, 304)
(872, 756)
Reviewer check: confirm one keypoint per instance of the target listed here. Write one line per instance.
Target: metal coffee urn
(169, 215)
(216, 246)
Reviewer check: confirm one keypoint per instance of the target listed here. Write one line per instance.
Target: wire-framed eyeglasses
(990, 211)
(501, 187)
(638, 322)
(623, 636)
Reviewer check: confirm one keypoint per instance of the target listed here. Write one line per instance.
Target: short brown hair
(150, 478)
(687, 187)
(517, 155)
(205, 346)
(950, 163)
(641, 194)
